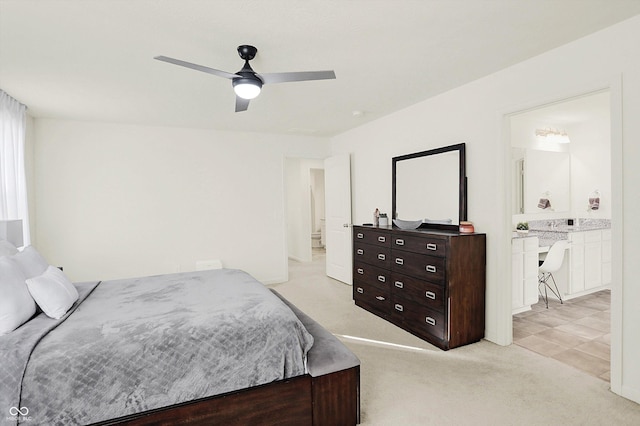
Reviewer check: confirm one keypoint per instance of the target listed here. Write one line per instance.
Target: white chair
(551, 263)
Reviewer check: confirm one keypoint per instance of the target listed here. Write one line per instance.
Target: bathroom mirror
(540, 175)
(432, 186)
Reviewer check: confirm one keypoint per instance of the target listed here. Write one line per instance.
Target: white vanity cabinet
(606, 257)
(524, 270)
(590, 261)
(576, 263)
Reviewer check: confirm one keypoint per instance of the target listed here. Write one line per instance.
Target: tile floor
(576, 333)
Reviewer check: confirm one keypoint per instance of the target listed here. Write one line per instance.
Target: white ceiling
(93, 59)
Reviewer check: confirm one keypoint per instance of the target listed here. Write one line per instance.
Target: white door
(337, 182)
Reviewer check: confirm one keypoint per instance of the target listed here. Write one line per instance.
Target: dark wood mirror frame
(462, 186)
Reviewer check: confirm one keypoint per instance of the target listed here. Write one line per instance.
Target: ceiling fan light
(246, 88)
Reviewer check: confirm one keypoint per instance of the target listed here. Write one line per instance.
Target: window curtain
(13, 183)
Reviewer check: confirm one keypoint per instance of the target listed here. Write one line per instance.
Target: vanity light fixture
(552, 135)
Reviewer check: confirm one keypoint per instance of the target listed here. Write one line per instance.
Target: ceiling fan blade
(196, 67)
(241, 104)
(285, 77)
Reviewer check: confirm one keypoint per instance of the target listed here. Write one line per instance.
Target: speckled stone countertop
(560, 225)
(550, 231)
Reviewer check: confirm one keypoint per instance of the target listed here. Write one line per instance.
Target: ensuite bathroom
(561, 245)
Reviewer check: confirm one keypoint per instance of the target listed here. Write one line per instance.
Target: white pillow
(16, 304)
(53, 292)
(7, 249)
(31, 262)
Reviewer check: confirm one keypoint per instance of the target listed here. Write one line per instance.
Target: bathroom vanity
(586, 267)
(524, 273)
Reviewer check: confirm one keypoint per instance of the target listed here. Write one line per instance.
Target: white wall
(120, 201)
(474, 114)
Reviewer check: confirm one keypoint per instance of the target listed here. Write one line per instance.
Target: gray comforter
(138, 344)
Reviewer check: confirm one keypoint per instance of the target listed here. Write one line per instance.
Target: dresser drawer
(372, 236)
(372, 254)
(404, 287)
(429, 268)
(425, 245)
(371, 274)
(375, 297)
(419, 318)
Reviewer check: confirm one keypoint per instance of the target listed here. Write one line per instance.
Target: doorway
(317, 199)
(577, 332)
(305, 200)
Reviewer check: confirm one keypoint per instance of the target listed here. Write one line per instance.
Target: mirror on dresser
(431, 186)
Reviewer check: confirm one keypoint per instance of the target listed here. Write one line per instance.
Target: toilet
(316, 239)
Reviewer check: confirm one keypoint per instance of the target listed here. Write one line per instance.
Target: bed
(207, 347)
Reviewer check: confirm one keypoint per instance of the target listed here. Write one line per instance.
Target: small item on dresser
(383, 220)
(376, 217)
(407, 224)
(467, 227)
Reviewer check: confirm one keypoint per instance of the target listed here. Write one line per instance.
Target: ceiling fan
(247, 83)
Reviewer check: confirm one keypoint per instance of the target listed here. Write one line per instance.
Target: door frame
(505, 317)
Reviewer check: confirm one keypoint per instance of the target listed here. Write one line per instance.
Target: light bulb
(246, 89)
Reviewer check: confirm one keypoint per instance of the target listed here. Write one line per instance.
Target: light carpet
(407, 381)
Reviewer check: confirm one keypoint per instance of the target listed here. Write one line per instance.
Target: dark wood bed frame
(332, 399)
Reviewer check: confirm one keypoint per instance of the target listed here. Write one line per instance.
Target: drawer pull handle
(399, 261)
(431, 246)
(430, 295)
(382, 239)
(381, 278)
(360, 271)
(381, 257)
(360, 290)
(359, 235)
(399, 284)
(399, 242)
(399, 307)
(380, 298)
(431, 268)
(430, 321)
(360, 251)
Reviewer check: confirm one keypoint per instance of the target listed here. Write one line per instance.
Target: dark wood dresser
(428, 282)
